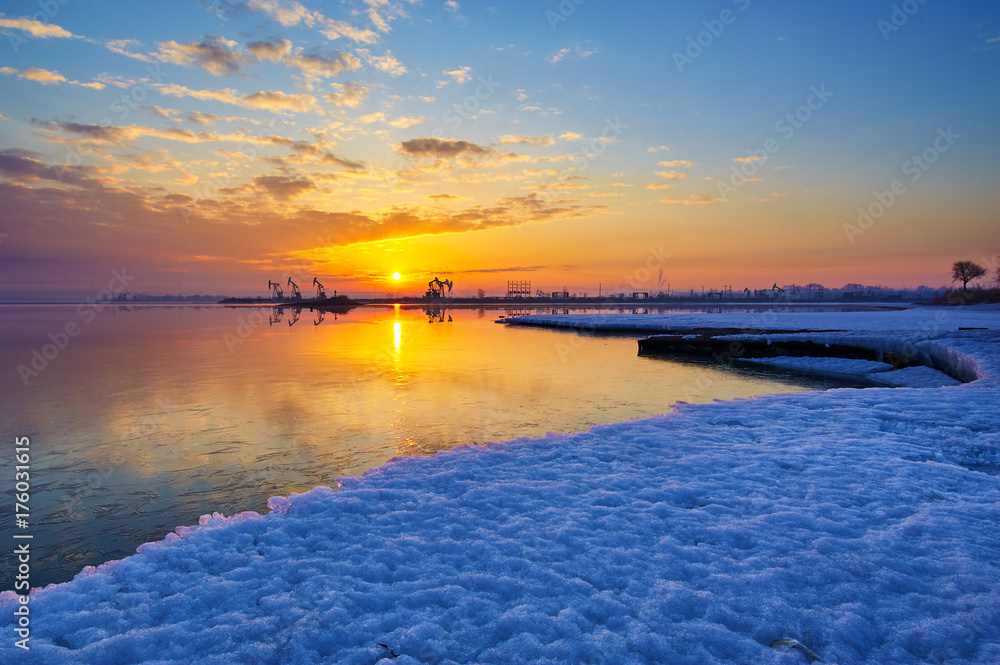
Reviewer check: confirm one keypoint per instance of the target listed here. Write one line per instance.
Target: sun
(397, 276)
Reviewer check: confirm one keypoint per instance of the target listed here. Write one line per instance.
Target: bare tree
(965, 272)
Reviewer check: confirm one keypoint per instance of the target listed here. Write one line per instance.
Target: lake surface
(154, 415)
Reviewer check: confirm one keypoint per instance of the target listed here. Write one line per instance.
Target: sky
(211, 147)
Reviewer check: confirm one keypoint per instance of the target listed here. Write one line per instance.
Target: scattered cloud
(672, 175)
(570, 136)
(349, 94)
(460, 75)
(434, 147)
(694, 199)
(406, 123)
(377, 116)
(126, 47)
(37, 28)
(313, 66)
(678, 162)
(215, 55)
(561, 54)
(279, 102)
(660, 148)
(47, 77)
(283, 188)
(509, 139)
(386, 63)
(451, 6)
(752, 158)
(660, 185)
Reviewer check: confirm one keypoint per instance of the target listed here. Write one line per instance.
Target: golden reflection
(397, 331)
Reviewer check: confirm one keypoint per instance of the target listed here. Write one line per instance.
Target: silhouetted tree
(965, 272)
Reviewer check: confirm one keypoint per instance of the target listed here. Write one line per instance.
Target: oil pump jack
(296, 294)
(320, 291)
(435, 288)
(276, 292)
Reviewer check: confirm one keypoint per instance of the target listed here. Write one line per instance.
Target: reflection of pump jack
(436, 315)
(275, 317)
(295, 316)
(320, 315)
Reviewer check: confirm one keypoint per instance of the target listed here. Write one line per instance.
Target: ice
(862, 523)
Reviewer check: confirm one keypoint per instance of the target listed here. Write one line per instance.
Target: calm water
(152, 416)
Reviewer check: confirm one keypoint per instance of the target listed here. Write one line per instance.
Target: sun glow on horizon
(396, 276)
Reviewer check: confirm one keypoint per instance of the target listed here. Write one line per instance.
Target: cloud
(215, 55)
(274, 51)
(434, 147)
(561, 54)
(124, 47)
(347, 94)
(287, 14)
(678, 162)
(441, 197)
(570, 136)
(314, 65)
(672, 175)
(290, 14)
(694, 199)
(37, 28)
(47, 77)
(406, 123)
(283, 188)
(753, 158)
(460, 75)
(386, 63)
(657, 148)
(125, 134)
(660, 185)
(508, 139)
(333, 29)
(451, 6)
(377, 116)
(278, 102)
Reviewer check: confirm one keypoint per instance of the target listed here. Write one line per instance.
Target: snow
(862, 523)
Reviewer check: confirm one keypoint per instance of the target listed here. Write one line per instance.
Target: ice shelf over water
(863, 523)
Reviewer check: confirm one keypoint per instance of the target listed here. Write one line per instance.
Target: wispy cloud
(460, 75)
(509, 139)
(694, 199)
(36, 28)
(48, 77)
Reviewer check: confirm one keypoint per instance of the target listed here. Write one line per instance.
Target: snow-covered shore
(862, 523)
